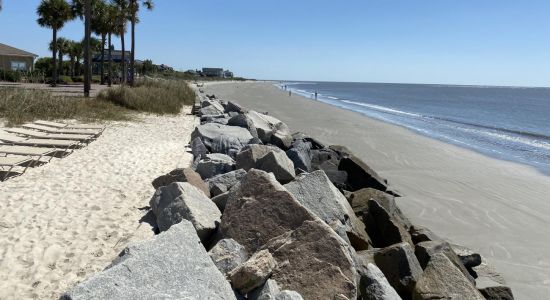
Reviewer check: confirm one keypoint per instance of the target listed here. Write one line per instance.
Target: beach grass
(153, 96)
(18, 106)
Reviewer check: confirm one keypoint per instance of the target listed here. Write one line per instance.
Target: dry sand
(498, 208)
(61, 222)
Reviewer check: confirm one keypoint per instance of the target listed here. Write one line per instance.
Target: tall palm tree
(134, 8)
(54, 14)
(122, 18)
(100, 26)
(111, 12)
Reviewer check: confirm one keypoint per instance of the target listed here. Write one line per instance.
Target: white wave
(333, 98)
(515, 139)
(384, 109)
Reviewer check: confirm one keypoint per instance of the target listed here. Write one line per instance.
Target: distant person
(290, 93)
(315, 95)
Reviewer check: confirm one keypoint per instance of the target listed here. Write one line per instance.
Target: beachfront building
(15, 59)
(227, 74)
(212, 72)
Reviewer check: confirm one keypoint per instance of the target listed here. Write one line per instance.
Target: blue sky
(489, 42)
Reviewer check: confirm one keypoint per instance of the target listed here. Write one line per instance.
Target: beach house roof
(6, 50)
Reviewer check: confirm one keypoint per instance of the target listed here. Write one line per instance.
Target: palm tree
(54, 14)
(75, 53)
(122, 18)
(62, 49)
(111, 12)
(100, 26)
(134, 8)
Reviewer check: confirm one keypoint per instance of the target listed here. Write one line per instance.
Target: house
(116, 56)
(212, 72)
(16, 59)
(227, 74)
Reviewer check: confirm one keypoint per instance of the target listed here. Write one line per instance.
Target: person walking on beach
(315, 95)
(290, 93)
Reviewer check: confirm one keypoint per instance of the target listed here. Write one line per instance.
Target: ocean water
(511, 123)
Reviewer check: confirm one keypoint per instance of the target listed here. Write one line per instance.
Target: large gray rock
(360, 175)
(424, 252)
(316, 192)
(493, 290)
(233, 107)
(215, 164)
(227, 255)
(254, 272)
(242, 120)
(375, 286)
(172, 266)
(258, 209)
(422, 234)
(288, 295)
(300, 154)
(263, 127)
(383, 229)
(221, 200)
(442, 280)
(279, 164)
(359, 200)
(182, 175)
(314, 261)
(220, 138)
(222, 183)
(211, 107)
(249, 155)
(400, 267)
(198, 148)
(270, 129)
(182, 201)
(266, 291)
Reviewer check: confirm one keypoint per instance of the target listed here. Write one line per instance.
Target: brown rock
(258, 209)
(443, 280)
(424, 251)
(400, 267)
(254, 272)
(182, 175)
(314, 261)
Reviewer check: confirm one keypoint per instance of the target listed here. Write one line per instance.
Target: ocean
(510, 123)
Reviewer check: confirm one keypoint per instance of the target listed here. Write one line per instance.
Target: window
(18, 65)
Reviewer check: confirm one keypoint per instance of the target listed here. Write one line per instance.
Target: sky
(487, 42)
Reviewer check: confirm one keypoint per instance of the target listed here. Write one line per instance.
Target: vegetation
(10, 76)
(154, 96)
(54, 14)
(18, 106)
(134, 8)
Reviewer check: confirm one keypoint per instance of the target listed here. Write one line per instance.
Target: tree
(112, 13)
(101, 27)
(134, 9)
(75, 53)
(62, 49)
(54, 14)
(122, 18)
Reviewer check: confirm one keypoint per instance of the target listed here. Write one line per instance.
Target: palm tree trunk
(132, 54)
(102, 59)
(87, 56)
(60, 55)
(54, 61)
(110, 80)
(123, 58)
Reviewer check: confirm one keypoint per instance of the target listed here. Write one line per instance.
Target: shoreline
(493, 206)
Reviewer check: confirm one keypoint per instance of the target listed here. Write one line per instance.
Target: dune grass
(153, 96)
(18, 106)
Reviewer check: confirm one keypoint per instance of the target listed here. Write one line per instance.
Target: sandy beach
(498, 208)
(64, 221)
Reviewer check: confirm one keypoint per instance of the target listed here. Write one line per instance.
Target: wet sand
(498, 208)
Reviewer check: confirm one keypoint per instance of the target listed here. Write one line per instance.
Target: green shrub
(154, 96)
(65, 79)
(9, 75)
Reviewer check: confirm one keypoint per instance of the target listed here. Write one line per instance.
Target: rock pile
(283, 217)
